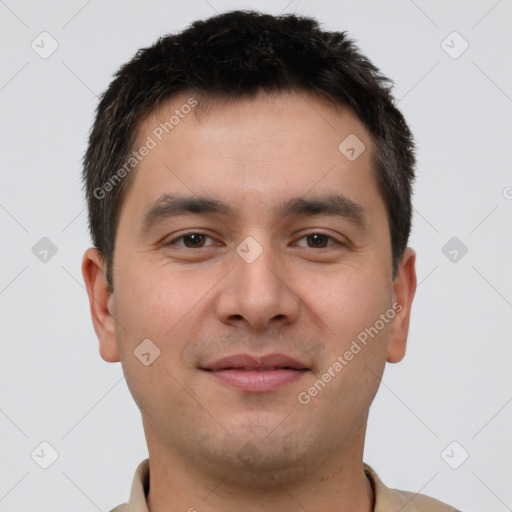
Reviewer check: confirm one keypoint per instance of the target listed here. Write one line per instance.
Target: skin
(200, 304)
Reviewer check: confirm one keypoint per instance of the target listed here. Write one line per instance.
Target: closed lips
(257, 369)
(270, 362)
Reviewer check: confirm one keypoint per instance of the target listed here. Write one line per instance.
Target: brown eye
(318, 241)
(194, 240)
(190, 241)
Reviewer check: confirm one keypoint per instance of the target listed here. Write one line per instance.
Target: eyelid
(320, 232)
(188, 233)
(332, 238)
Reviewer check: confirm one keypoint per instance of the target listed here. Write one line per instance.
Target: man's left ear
(404, 288)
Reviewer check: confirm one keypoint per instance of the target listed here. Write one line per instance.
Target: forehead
(286, 122)
(250, 152)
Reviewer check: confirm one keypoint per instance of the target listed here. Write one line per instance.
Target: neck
(333, 484)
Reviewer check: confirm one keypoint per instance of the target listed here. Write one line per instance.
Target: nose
(258, 293)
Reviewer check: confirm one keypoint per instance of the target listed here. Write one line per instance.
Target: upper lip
(248, 362)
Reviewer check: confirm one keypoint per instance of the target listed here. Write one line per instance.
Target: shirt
(386, 499)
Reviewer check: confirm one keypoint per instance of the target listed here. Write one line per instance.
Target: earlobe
(404, 288)
(101, 303)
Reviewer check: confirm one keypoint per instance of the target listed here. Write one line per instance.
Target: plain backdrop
(450, 398)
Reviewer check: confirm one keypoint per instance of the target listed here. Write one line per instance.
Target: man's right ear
(101, 304)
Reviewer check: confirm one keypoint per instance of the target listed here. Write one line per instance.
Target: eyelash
(181, 237)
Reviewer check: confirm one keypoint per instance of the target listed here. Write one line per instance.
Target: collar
(386, 499)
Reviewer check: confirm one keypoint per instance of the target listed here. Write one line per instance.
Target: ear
(101, 304)
(404, 288)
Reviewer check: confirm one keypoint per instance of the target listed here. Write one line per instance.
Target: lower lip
(257, 381)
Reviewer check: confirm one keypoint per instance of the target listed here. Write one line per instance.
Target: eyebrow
(339, 205)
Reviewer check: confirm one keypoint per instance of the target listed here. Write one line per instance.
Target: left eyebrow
(339, 205)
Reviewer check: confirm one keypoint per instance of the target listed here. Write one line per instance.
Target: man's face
(254, 278)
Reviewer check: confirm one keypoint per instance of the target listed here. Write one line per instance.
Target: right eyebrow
(168, 205)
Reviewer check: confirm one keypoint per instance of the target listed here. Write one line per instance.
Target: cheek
(154, 298)
(155, 305)
(348, 299)
(355, 339)
(165, 305)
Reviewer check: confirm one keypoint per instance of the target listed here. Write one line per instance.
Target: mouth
(256, 374)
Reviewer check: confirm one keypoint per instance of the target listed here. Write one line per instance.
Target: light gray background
(454, 384)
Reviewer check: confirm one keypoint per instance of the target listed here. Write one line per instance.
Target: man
(249, 187)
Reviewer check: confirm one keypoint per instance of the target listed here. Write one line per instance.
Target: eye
(318, 240)
(190, 241)
(195, 240)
